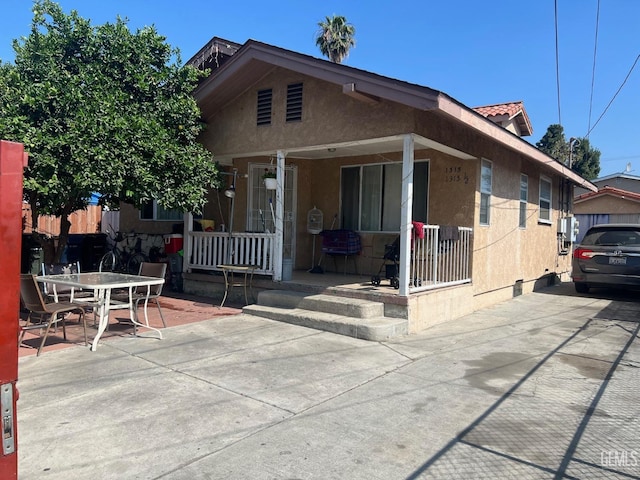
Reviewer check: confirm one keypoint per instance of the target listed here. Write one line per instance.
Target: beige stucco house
(480, 213)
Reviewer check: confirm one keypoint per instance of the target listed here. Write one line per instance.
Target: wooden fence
(82, 221)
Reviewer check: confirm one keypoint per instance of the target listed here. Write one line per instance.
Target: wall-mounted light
(230, 192)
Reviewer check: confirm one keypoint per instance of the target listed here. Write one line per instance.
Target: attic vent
(294, 102)
(264, 106)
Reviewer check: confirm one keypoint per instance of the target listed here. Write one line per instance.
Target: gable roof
(512, 110)
(626, 176)
(253, 60)
(608, 191)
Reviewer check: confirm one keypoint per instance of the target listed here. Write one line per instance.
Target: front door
(262, 205)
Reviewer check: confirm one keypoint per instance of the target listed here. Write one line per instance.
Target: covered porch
(426, 259)
(438, 259)
(440, 290)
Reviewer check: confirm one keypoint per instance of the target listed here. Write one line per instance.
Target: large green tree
(576, 153)
(554, 143)
(335, 38)
(585, 159)
(102, 109)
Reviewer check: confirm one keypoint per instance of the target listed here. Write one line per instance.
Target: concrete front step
(374, 329)
(347, 307)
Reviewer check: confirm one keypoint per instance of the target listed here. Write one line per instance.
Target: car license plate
(617, 260)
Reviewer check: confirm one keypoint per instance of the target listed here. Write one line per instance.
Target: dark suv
(608, 256)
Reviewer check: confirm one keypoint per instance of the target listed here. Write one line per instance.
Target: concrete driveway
(542, 386)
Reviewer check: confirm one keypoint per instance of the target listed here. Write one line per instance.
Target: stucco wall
(327, 116)
(504, 253)
(130, 222)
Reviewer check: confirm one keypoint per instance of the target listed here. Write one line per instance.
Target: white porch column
(187, 241)
(406, 207)
(279, 240)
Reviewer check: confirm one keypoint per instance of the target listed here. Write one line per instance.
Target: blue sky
(478, 52)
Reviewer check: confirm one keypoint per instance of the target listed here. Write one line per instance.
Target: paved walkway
(542, 386)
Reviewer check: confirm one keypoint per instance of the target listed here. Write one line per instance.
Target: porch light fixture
(230, 192)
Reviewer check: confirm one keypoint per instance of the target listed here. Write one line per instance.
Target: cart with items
(389, 265)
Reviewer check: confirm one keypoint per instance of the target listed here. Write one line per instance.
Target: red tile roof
(514, 110)
(606, 190)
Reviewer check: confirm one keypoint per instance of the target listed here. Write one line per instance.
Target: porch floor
(332, 283)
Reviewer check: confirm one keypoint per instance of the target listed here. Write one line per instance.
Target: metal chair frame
(49, 314)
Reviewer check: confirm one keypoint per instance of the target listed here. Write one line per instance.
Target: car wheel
(581, 287)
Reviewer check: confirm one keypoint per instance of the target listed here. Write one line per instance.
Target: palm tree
(335, 38)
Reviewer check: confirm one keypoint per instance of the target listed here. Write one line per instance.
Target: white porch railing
(207, 250)
(441, 258)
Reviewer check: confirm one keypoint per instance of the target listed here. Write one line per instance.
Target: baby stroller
(390, 265)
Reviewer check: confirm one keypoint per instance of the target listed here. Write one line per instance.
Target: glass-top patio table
(102, 284)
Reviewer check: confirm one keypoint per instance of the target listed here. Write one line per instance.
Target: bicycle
(125, 259)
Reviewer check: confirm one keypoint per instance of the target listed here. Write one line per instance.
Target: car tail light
(583, 253)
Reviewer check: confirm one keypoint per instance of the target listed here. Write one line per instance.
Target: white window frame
(524, 199)
(485, 192)
(541, 199)
(382, 206)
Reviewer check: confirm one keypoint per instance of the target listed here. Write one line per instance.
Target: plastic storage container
(172, 243)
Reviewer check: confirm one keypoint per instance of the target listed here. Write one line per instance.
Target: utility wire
(557, 62)
(593, 72)
(614, 97)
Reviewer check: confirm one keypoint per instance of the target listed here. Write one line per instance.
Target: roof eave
(486, 127)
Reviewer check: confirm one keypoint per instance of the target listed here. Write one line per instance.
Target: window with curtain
(371, 196)
(524, 197)
(486, 182)
(544, 214)
(153, 211)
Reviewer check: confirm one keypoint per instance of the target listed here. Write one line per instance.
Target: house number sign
(455, 175)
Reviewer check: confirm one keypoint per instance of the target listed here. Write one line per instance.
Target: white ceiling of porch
(371, 146)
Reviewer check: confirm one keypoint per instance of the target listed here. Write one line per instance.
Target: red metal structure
(12, 162)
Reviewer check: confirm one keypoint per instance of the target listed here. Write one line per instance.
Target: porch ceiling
(370, 146)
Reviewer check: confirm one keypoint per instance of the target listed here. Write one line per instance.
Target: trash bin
(30, 254)
(73, 251)
(36, 258)
(287, 269)
(94, 246)
(175, 267)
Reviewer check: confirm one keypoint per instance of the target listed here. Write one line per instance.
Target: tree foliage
(554, 144)
(335, 38)
(585, 159)
(102, 109)
(581, 157)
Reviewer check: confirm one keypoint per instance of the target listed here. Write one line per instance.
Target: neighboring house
(621, 181)
(374, 155)
(609, 204)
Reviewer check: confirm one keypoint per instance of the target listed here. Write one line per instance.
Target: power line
(593, 72)
(557, 62)
(614, 97)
